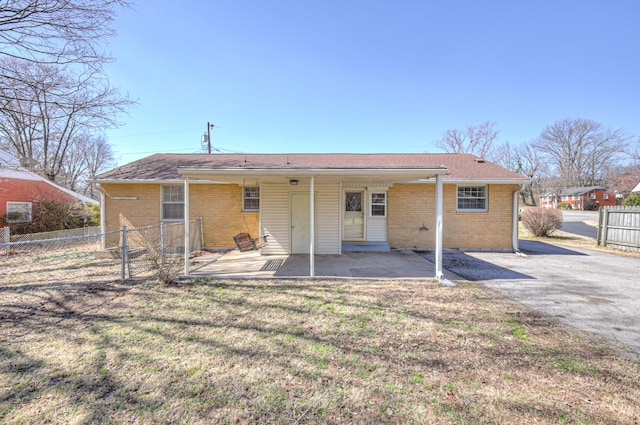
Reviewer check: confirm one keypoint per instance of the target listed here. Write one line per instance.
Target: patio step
(365, 247)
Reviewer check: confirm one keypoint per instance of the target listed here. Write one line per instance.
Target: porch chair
(245, 242)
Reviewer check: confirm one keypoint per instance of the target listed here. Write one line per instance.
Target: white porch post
(439, 274)
(187, 238)
(312, 230)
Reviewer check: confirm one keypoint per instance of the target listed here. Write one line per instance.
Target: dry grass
(293, 351)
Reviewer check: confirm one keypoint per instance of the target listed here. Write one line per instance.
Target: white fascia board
(151, 181)
(475, 181)
(193, 172)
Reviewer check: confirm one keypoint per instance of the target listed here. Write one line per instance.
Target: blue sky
(367, 76)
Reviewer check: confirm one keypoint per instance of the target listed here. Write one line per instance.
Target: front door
(353, 221)
(300, 224)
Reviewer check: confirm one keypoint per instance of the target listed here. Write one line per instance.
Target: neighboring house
(20, 188)
(591, 197)
(636, 190)
(359, 202)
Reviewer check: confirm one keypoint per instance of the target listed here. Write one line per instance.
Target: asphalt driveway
(588, 290)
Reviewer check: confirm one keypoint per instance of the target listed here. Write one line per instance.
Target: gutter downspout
(515, 241)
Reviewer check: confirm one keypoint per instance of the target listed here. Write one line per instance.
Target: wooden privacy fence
(619, 227)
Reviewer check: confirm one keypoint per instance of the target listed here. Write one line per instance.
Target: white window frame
(15, 205)
(575, 206)
(575, 197)
(565, 197)
(605, 196)
(485, 189)
(180, 189)
(372, 204)
(252, 191)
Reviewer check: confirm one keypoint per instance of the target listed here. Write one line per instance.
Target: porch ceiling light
(293, 182)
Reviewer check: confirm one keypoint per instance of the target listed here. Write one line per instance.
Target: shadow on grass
(266, 349)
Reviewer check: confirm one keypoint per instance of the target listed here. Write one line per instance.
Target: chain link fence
(123, 253)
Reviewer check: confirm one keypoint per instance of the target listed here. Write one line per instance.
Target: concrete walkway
(384, 265)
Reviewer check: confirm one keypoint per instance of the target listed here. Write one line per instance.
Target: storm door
(354, 210)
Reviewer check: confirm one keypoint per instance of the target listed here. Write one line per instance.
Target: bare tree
(49, 111)
(477, 140)
(530, 165)
(57, 31)
(581, 152)
(87, 156)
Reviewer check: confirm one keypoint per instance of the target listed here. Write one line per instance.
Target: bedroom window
(172, 203)
(378, 204)
(472, 198)
(251, 198)
(18, 212)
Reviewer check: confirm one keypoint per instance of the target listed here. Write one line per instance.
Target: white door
(300, 225)
(354, 210)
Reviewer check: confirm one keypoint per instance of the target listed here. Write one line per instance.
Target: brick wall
(413, 205)
(220, 207)
(25, 190)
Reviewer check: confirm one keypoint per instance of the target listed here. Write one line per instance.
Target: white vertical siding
(276, 219)
(377, 229)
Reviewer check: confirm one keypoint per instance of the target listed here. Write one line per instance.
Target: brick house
(359, 202)
(580, 198)
(21, 188)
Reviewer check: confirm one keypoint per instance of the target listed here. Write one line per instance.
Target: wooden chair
(245, 242)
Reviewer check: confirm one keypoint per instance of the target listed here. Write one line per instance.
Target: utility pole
(207, 136)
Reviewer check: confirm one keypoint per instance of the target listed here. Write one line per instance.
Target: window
(593, 196)
(565, 197)
(251, 199)
(172, 203)
(605, 196)
(575, 198)
(378, 204)
(472, 198)
(18, 212)
(576, 206)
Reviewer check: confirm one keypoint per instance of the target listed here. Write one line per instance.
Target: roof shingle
(163, 166)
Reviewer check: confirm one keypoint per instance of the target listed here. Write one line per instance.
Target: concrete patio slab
(381, 265)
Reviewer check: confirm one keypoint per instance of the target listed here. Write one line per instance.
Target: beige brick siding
(413, 205)
(410, 207)
(220, 206)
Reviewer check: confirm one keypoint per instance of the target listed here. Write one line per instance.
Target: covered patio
(250, 265)
(301, 200)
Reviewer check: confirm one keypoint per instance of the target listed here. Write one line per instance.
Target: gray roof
(581, 190)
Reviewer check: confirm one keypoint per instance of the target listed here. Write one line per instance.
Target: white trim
(371, 204)
(162, 202)
(472, 210)
(187, 241)
(439, 189)
(312, 231)
(29, 212)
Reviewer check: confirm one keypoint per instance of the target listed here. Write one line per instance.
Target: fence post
(124, 251)
(162, 251)
(201, 234)
(605, 225)
(6, 239)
